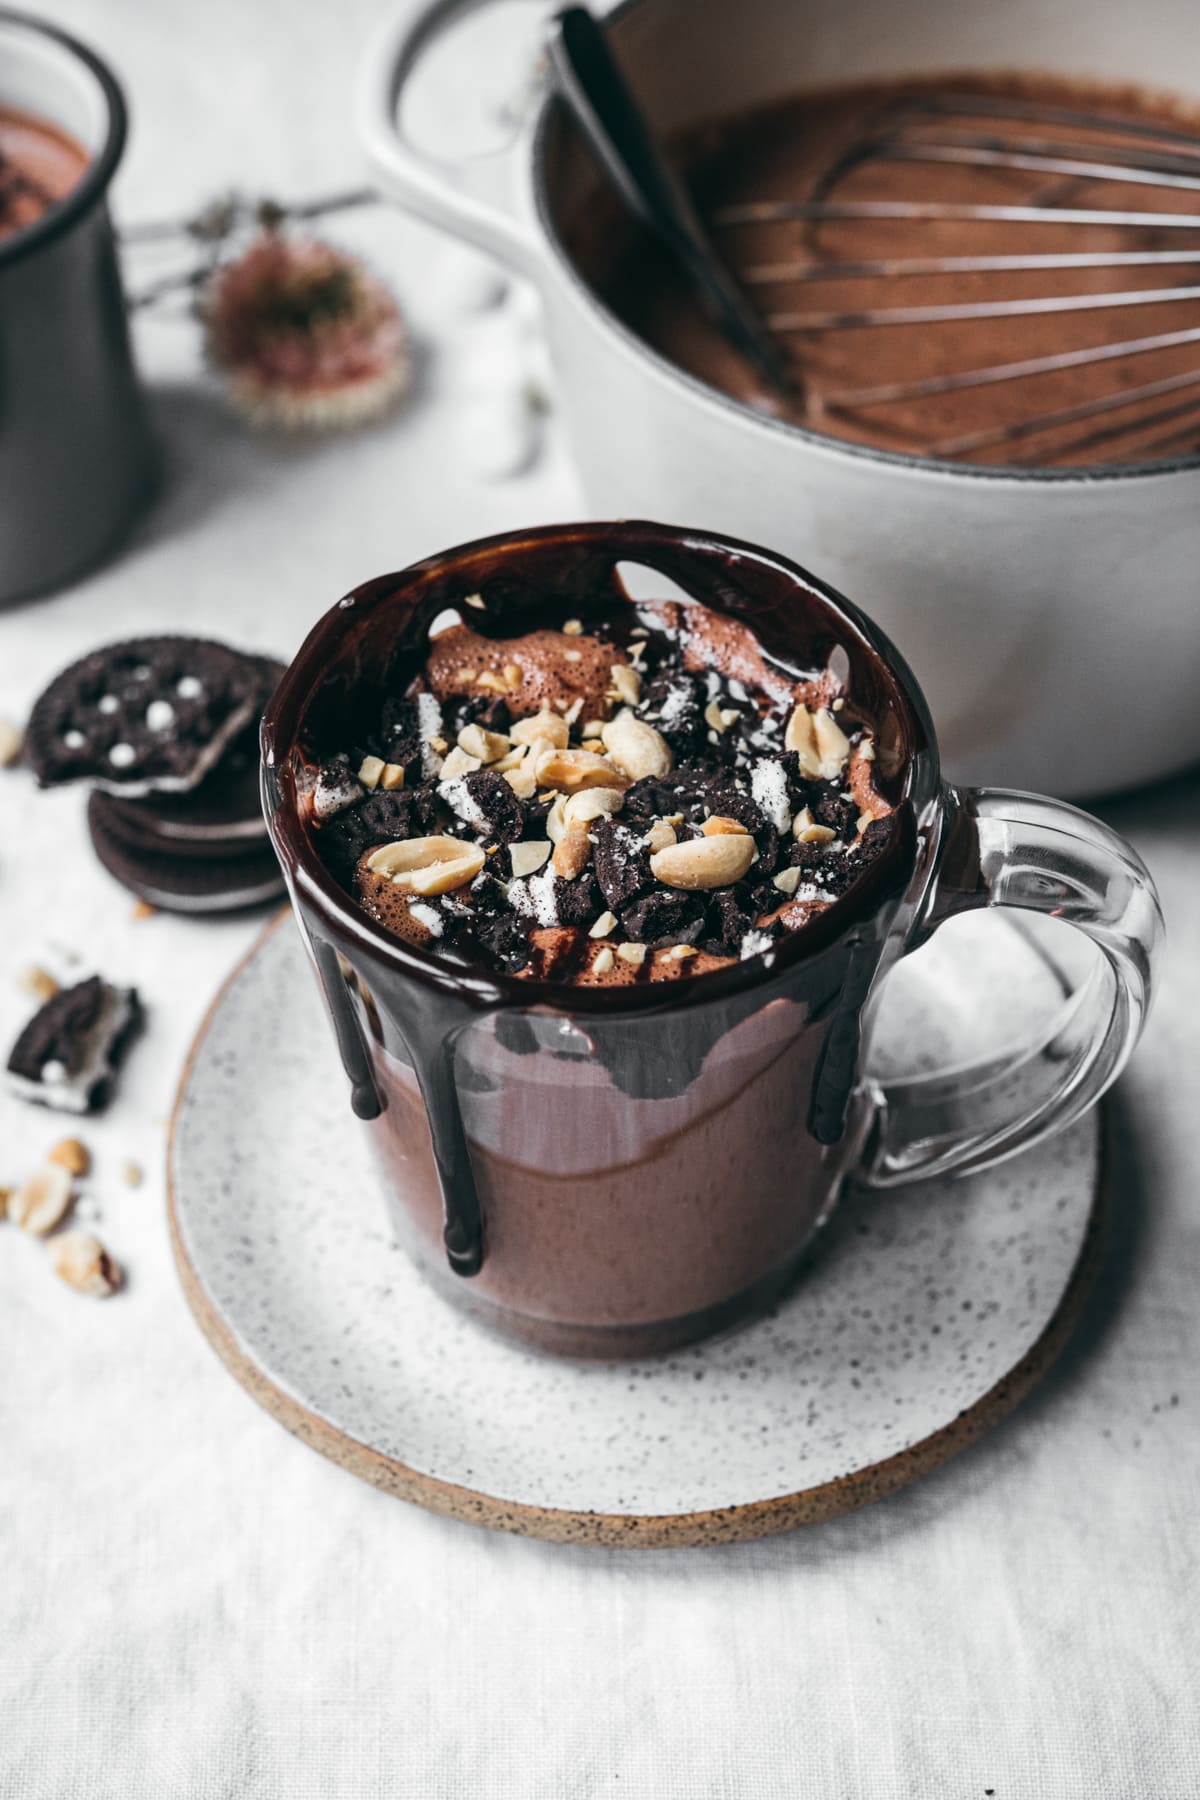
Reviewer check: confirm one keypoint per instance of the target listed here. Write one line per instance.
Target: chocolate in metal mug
(75, 456)
(612, 1171)
(1023, 597)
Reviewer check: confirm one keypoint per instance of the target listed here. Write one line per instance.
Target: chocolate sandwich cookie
(150, 715)
(68, 1054)
(226, 877)
(222, 817)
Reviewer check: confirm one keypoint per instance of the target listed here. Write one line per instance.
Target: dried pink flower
(306, 336)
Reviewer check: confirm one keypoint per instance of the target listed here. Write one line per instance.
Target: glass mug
(617, 1171)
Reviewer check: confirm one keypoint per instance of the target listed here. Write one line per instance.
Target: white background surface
(193, 1604)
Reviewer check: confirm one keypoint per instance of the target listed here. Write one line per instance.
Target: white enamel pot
(1053, 618)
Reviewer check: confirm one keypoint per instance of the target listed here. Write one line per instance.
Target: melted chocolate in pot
(780, 153)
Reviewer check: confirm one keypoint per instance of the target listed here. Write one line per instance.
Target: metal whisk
(988, 132)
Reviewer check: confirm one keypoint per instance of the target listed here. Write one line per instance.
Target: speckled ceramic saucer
(925, 1316)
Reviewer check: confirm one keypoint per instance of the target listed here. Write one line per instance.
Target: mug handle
(435, 190)
(1003, 848)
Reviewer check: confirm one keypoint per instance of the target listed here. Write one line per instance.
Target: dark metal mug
(75, 456)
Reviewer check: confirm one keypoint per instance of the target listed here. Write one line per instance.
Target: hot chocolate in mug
(617, 1170)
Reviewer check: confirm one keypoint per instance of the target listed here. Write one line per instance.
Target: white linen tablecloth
(193, 1604)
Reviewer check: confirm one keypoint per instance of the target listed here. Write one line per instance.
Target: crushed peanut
(485, 746)
(83, 1263)
(44, 1201)
(544, 724)
(12, 741)
(459, 763)
(72, 1154)
(659, 836)
(592, 803)
(571, 853)
(528, 856)
(573, 770)
(819, 742)
(806, 831)
(38, 983)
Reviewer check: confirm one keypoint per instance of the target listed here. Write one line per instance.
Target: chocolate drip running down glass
(623, 1153)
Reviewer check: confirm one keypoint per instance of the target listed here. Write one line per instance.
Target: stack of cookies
(166, 731)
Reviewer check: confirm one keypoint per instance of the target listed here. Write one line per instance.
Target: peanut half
(704, 862)
(636, 747)
(592, 803)
(545, 724)
(82, 1262)
(571, 852)
(44, 1201)
(659, 836)
(574, 770)
(74, 1156)
(819, 741)
(428, 865)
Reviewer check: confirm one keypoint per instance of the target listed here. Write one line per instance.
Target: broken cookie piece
(69, 1053)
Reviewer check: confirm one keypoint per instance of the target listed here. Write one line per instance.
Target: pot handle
(1025, 851)
(435, 190)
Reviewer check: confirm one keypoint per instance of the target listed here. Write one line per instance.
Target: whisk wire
(920, 129)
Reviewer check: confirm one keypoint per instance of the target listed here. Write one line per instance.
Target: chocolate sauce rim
(554, 109)
(90, 189)
(308, 878)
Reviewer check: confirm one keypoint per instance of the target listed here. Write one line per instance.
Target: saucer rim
(739, 1523)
